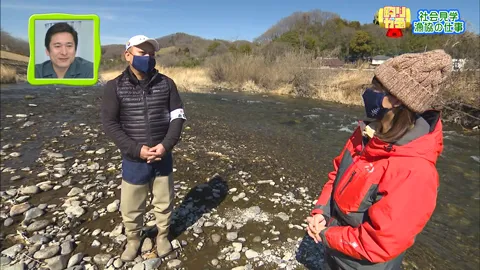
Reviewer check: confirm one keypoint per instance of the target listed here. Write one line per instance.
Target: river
(289, 140)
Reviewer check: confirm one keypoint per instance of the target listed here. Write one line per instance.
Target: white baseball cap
(139, 39)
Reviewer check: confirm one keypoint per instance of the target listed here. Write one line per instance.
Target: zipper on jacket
(348, 182)
(147, 120)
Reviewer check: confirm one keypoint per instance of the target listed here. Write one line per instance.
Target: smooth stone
(74, 191)
(42, 206)
(22, 199)
(234, 256)
(214, 262)
(34, 248)
(232, 236)
(283, 216)
(96, 243)
(5, 261)
(175, 263)
(118, 263)
(57, 263)
(38, 225)
(33, 213)
(39, 239)
(30, 190)
(114, 206)
(17, 266)
(102, 259)
(250, 254)
(19, 209)
(8, 222)
(152, 264)
(96, 232)
(47, 252)
(75, 259)
(67, 247)
(76, 211)
(147, 245)
(237, 246)
(216, 238)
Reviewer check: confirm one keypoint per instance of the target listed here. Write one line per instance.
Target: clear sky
(224, 19)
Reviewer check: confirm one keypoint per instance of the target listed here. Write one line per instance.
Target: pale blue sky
(224, 19)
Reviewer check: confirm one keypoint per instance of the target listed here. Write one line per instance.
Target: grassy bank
(7, 74)
(299, 76)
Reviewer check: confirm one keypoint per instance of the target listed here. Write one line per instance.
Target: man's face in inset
(62, 50)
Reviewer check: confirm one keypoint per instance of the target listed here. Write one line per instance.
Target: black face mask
(143, 64)
(373, 104)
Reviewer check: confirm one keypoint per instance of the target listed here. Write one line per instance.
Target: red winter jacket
(380, 195)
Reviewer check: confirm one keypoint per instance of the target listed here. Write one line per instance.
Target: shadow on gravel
(310, 254)
(199, 200)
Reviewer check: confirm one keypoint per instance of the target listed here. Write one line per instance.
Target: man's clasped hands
(152, 154)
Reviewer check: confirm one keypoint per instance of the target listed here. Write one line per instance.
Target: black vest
(144, 110)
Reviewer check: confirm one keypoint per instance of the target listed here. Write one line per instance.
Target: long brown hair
(402, 119)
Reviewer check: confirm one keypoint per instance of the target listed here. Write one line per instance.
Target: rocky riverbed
(243, 188)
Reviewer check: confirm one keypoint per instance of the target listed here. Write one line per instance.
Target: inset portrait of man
(61, 42)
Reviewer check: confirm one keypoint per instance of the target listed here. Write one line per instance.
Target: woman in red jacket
(383, 189)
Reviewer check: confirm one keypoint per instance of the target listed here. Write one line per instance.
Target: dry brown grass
(13, 56)
(7, 74)
(187, 79)
(287, 76)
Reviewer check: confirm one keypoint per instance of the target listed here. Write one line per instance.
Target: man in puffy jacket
(143, 114)
(383, 188)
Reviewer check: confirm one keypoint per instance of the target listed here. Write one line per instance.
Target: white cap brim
(137, 40)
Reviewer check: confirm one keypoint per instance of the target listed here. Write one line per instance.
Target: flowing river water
(288, 140)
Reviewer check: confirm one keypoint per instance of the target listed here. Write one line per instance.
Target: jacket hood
(424, 140)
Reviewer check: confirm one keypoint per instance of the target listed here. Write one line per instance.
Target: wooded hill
(321, 33)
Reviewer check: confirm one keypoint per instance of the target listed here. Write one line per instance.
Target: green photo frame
(64, 81)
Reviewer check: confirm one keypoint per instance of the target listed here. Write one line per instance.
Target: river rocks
(47, 252)
(150, 264)
(7, 222)
(96, 243)
(17, 266)
(38, 225)
(75, 259)
(39, 239)
(118, 263)
(232, 236)
(250, 254)
(33, 213)
(102, 259)
(234, 256)
(283, 216)
(12, 251)
(216, 238)
(57, 263)
(173, 264)
(237, 246)
(74, 191)
(5, 261)
(147, 245)
(114, 206)
(100, 151)
(117, 230)
(19, 209)
(66, 247)
(75, 211)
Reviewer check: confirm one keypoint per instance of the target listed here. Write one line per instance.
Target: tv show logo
(437, 21)
(394, 19)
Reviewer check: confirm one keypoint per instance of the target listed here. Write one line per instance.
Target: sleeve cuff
(324, 238)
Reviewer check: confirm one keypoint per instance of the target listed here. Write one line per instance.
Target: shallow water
(269, 137)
